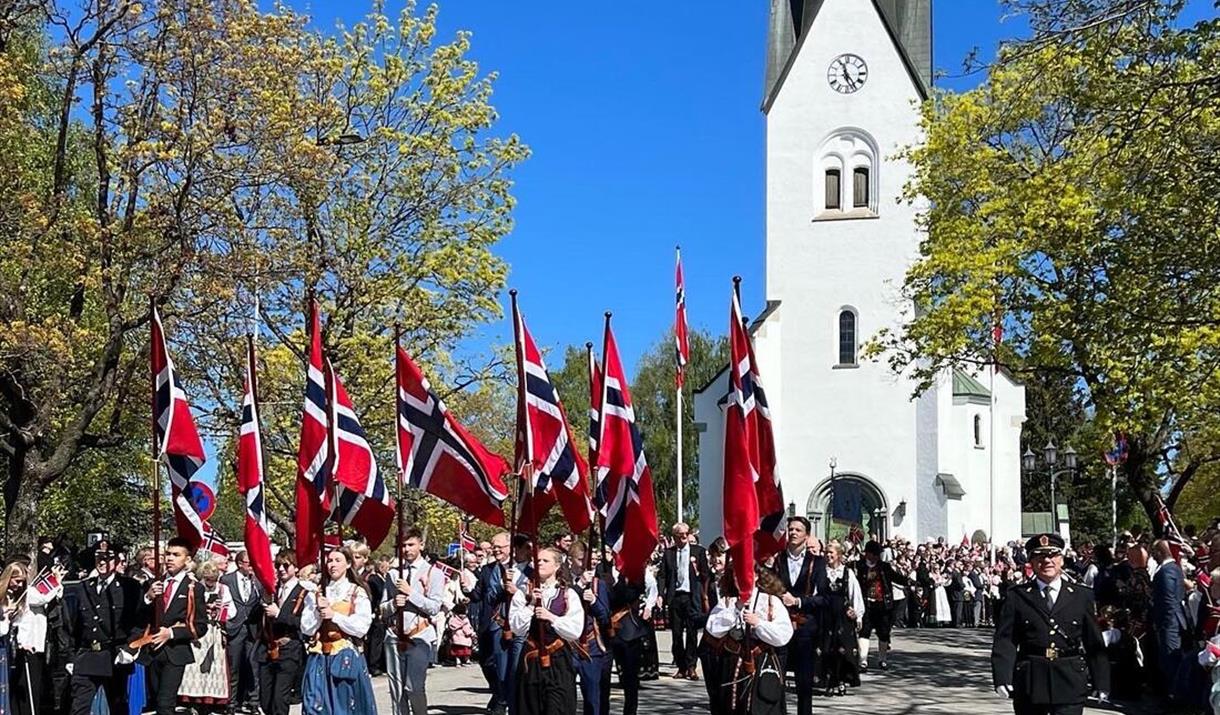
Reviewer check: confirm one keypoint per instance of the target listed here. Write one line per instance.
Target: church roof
(907, 22)
(969, 388)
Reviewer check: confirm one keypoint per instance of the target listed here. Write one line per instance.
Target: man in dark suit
(284, 653)
(803, 574)
(1169, 610)
(175, 609)
(491, 592)
(243, 632)
(683, 583)
(1046, 634)
(100, 617)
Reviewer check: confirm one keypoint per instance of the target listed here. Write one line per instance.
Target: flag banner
(544, 442)
(622, 471)
(595, 408)
(1169, 530)
(177, 439)
(46, 583)
(436, 454)
(466, 541)
(847, 501)
(681, 343)
(257, 532)
(740, 498)
(213, 543)
(315, 453)
(361, 498)
(773, 522)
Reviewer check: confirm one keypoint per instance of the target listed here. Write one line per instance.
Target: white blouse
(855, 599)
(775, 632)
(355, 624)
(569, 626)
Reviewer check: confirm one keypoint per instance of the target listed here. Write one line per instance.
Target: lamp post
(830, 510)
(1050, 458)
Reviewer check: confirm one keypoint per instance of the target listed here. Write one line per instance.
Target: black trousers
(84, 689)
(242, 650)
(374, 647)
(627, 657)
(685, 630)
(547, 691)
(1023, 708)
(166, 679)
(278, 678)
(876, 616)
(25, 687)
(801, 659)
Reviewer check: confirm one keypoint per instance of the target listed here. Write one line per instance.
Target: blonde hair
(6, 578)
(207, 569)
(360, 549)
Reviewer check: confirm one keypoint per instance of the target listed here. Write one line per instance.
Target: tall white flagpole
(679, 418)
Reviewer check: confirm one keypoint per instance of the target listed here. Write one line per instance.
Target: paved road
(931, 671)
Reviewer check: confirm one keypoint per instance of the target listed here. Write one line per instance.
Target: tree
(1074, 199)
(654, 398)
(202, 154)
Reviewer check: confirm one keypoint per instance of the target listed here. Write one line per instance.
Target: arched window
(847, 337)
(978, 431)
(859, 191)
(833, 189)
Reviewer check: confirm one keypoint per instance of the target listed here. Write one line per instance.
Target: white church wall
(861, 415)
(709, 420)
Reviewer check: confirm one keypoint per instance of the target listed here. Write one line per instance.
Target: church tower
(841, 96)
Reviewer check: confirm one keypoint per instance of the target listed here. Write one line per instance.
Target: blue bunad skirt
(338, 684)
(137, 690)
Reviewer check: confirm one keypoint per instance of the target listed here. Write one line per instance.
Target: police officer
(101, 616)
(1046, 636)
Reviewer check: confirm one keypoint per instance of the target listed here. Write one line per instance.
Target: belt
(543, 654)
(1050, 652)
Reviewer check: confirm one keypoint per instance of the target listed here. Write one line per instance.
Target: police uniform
(1047, 644)
(101, 616)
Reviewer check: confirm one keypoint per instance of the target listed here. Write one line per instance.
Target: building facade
(844, 82)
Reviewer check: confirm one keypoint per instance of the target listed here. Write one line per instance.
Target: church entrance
(849, 506)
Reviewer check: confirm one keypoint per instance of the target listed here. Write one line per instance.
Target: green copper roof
(969, 388)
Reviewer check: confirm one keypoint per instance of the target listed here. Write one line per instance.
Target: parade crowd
(99, 631)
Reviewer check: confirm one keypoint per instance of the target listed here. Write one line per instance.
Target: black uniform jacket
(186, 615)
(1043, 655)
(97, 624)
(811, 587)
(697, 574)
(626, 625)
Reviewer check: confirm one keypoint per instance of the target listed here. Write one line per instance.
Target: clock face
(847, 73)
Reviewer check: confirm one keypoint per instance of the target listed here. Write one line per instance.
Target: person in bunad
(751, 629)
(418, 589)
(941, 612)
(590, 657)
(843, 617)
(711, 648)
(27, 620)
(337, 680)
(552, 619)
(205, 682)
(650, 660)
(290, 612)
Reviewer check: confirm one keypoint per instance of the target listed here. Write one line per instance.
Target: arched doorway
(849, 500)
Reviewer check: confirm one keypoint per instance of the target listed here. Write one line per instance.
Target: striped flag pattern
(257, 531)
(315, 452)
(361, 498)
(681, 344)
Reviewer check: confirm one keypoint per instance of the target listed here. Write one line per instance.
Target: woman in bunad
(751, 675)
(553, 620)
(25, 614)
(337, 680)
(650, 661)
(941, 608)
(843, 617)
(711, 648)
(205, 682)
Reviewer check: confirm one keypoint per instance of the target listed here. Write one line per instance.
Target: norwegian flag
(315, 453)
(466, 542)
(213, 543)
(772, 527)
(622, 471)
(1169, 530)
(438, 455)
(178, 443)
(361, 498)
(740, 455)
(595, 408)
(257, 532)
(681, 344)
(544, 442)
(46, 583)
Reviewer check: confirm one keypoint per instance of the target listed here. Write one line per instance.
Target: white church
(843, 84)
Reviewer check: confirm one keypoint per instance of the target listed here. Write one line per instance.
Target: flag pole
(399, 627)
(678, 400)
(601, 424)
(156, 475)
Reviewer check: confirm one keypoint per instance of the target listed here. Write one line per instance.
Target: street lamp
(1050, 457)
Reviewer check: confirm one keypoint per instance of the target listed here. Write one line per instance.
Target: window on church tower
(860, 187)
(832, 189)
(978, 431)
(847, 338)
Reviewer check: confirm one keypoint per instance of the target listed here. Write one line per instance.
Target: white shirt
(354, 624)
(682, 564)
(794, 565)
(1053, 586)
(243, 586)
(569, 626)
(427, 596)
(309, 609)
(855, 599)
(775, 632)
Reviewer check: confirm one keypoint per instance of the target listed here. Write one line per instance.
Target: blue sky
(644, 122)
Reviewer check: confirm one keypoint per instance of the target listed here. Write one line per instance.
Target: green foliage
(1075, 197)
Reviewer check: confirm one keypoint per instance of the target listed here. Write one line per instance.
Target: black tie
(1046, 596)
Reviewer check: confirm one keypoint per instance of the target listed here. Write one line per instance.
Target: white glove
(1111, 636)
(68, 668)
(1004, 691)
(1103, 697)
(124, 657)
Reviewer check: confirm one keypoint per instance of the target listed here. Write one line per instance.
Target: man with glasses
(1046, 635)
(683, 581)
(290, 610)
(493, 592)
(243, 631)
